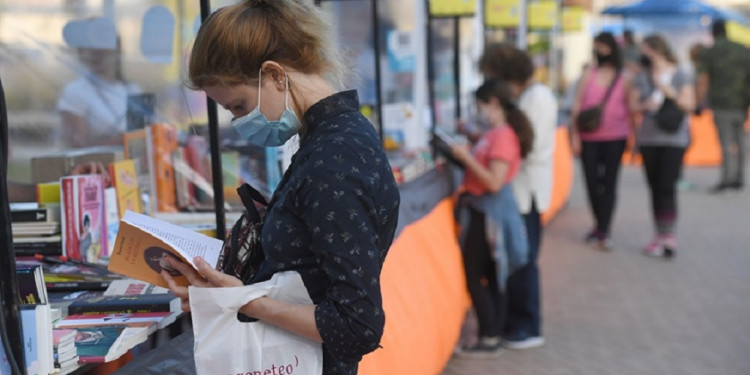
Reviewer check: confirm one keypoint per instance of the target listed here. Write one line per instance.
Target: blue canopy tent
(672, 8)
(683, 22)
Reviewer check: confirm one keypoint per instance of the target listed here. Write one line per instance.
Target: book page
(188, 243)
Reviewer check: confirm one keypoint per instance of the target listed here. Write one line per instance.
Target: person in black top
(334, 214)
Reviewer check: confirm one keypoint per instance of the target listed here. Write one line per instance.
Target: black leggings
(481, 279)
(662, 166)
(601, 162)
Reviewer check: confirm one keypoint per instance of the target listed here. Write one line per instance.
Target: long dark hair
(609, 40)
(501, 90)
(660, 46)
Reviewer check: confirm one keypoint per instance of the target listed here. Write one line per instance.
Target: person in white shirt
(532, 187)
(93, 107)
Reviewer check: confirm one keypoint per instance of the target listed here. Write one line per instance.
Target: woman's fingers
(214, 277)
(192, 276)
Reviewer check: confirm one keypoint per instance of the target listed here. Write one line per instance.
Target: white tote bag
(224, 345)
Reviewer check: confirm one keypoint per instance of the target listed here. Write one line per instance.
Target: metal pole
(378, 83)
(554, 61)
(10, 329)
(213, 134)
(523, 25)
(430, 69)
(457, 63)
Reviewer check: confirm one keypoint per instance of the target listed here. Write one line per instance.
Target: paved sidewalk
(622, 313)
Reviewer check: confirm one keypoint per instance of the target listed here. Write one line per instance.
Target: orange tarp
(562, 178)
(424, 297)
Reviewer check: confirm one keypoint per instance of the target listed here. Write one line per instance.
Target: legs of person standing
(523, 320)
(601, 166)
(662, 166)
(481, 280)
(730, 126)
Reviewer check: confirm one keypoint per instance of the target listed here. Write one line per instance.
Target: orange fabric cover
(562, 178)
(424, 297)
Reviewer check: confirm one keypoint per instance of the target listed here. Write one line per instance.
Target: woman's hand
(462, 152)
(575, 145)
(205, 277)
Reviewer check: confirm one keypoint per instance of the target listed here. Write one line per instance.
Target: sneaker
(486, 348)
(654, 248)
(523, 342)
(605, 243)
(720, 188)
(669, 244)
(593, 237)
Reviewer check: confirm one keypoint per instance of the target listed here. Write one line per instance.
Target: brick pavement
(622, 313)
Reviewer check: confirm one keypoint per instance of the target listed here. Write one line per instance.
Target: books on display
(107, 343)
(83, 221)
(143, 243)
(146, 303)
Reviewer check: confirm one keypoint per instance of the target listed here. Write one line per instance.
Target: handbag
(669, 117)
(588, 120)
(242, 253)
(225, 345)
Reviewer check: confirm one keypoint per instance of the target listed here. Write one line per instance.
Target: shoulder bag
(590, 119)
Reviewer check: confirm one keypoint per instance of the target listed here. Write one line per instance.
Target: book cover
(83, 222)
(129, 287)
(112, 220)
(48, 193)
(104, 305)
(125, 181)
(143, 243)
(30, 343)
(184, 188)
(198, 159)
(31, 284)
(62, 336)
(107, 343)
(138, 149)
(164, 138)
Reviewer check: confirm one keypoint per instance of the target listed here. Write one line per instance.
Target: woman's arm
(492, 178)
(298, 319)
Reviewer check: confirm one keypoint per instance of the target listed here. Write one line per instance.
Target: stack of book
(36, 229)
(36, 320)
(65, 354)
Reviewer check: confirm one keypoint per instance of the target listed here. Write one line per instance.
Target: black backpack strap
(249, 195)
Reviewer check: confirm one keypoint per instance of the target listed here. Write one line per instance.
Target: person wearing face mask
(662, 149)
(332, 218)
(601, 149)
(493, 237)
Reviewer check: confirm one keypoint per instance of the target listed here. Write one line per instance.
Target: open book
(143, 243)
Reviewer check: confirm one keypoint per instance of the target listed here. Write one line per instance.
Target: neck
(662, 64)
(307, 90)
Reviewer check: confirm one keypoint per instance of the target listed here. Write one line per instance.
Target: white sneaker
(527, 343)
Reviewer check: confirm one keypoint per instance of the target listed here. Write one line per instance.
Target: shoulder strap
(611, 88)
(249, 196)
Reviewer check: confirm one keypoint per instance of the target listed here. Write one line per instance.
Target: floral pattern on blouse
(332, 219)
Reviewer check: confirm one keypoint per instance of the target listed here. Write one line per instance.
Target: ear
(276, 73)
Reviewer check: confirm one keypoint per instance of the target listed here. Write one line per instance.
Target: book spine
(26, 216)
(27, 286)
(61, 286)
(31, 248)
(69, 208)
(94, 309)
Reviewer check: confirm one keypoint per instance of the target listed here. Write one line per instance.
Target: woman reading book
(333, 216)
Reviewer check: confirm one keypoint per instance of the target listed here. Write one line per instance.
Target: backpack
(242, 254)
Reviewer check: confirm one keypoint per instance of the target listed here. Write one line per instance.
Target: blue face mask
(256, 128)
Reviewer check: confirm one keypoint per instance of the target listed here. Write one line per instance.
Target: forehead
(224, 95)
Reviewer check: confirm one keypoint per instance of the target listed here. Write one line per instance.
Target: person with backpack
(334, 214)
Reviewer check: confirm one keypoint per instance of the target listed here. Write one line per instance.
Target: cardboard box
(52, 166)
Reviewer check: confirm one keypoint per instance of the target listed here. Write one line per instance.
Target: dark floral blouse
(332, 219)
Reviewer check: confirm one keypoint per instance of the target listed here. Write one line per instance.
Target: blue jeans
(523, 315)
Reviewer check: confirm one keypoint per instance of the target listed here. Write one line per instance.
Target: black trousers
(601, 162)
(481, 278)
(524, 314)
(662, 166)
